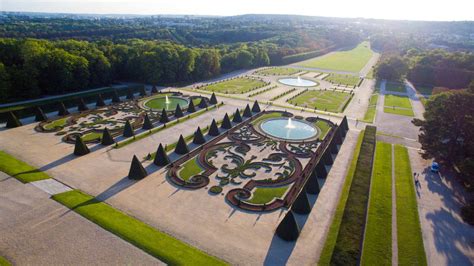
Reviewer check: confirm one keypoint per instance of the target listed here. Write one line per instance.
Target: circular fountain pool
(167, 102)
(286, 128)
(298, 82)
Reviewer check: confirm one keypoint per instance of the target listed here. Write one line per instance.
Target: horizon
(458, 10)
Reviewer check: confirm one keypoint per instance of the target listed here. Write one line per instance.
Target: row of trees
(433, 67)
(30, 68)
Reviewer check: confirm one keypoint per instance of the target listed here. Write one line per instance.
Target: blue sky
(395, 9)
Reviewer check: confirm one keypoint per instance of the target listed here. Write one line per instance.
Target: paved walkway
(36, 230)
(447, 239)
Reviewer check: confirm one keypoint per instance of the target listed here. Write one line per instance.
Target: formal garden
(260, 163)
(399, 105)
(277, 71)
(325, 100)
(345, 80)
(238, 85)
(127, 118)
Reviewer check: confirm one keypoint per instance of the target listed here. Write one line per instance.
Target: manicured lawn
(263, 195)
(235, 86)
(326, 100)
(347, 250)
(377, 248)
(189, 169)
(91, 136)
(266, 116)
(397, 101)
(328, 248)
(409, 239)
(372, 109)
(278, 71)
(4, 262)
(324, 127)
(398, 111)
(348, 80)
(163, 246)
(19, 169)
(61, 122)
(395, 86)
(352, 61)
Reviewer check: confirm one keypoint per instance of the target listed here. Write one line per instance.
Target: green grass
(265, 117)
(235, 86)
(61, 122)
(395, 86)
(377, 248)
(370, 75)
(91, 136)
(328, 248)
(347, 250)
(348, 80)
(352, 61)
(163, 246)
(372, 109)
(409, 239)
(189, 169)
(397, 101)
(278, 71)
(326, 100)
(263, 195)
(19, 169)
(324, 127)
(4, 262)
(398, 111)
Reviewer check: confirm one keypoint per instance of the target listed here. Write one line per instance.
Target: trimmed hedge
(347, 250)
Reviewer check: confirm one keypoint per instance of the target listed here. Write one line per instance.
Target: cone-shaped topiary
(213, 129)
(247, 112)
(226, 124)
(198, 137)
(82, 105)
(142, 91)
(237, 117)
(154, 89)
(161, 158)
(136, 169)
(62, 110)
(40, 115)
(327, 157)
(256, 107)
(312, 186)
(191, 108)
(203, 103)
(115, 97)
(107, 138)
(128, 130)
(178, 112)
(147, 123)
(181, 147)
(301, 204)
(321, 170)
(80, 148)
(213, 99)
(129, 94)
(288, 228)
(100, 101)
(164, 116)
(12, 120)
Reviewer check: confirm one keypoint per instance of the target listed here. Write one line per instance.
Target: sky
(440, 10)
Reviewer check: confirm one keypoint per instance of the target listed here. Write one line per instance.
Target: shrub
(215, 189)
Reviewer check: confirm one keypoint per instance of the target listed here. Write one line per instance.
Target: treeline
(30, 68)
(430, 67)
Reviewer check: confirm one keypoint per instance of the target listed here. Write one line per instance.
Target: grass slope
(163, 246)
(352, 61)
(331, 101)
(235, 86)
(19, 169)
(328, 248)
(377, 249)
(409, 239)
(347, 250)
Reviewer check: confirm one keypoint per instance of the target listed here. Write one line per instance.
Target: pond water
(167, 102)
(297, 82)
(287, 128)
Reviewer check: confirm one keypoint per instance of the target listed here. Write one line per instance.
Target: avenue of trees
(437, 68)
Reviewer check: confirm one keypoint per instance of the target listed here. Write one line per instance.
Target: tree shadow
(279, 251)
